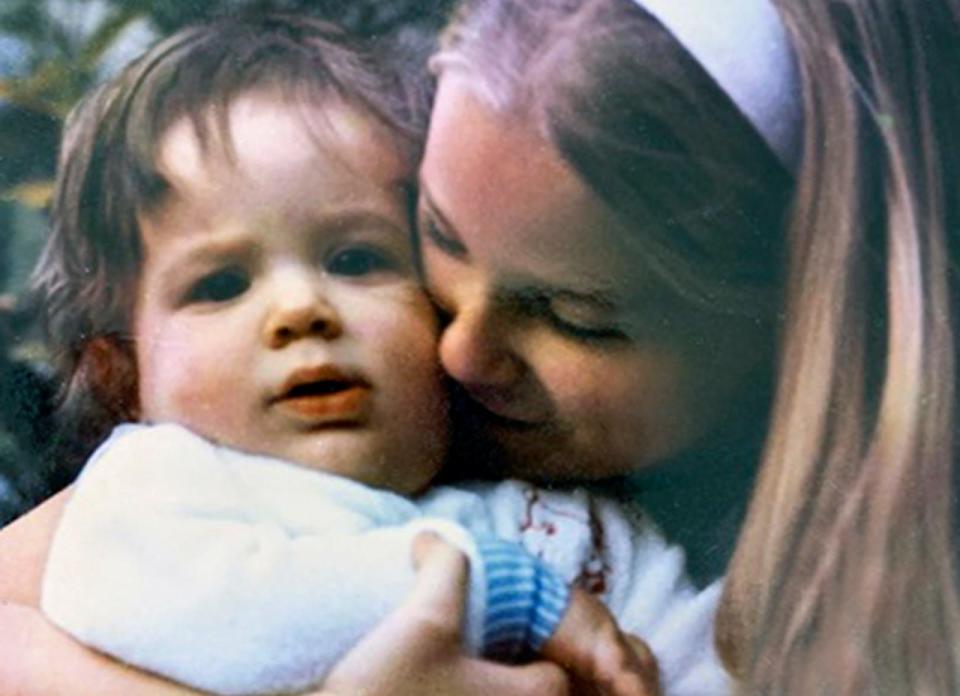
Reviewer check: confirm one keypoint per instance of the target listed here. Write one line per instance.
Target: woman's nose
(475, 350)
(299, 310)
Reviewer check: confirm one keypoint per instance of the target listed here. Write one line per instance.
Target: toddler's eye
(359, 261)
(220, 286)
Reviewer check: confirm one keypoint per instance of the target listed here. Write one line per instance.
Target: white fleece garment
(241, 574)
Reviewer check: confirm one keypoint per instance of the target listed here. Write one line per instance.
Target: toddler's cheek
(178, 382)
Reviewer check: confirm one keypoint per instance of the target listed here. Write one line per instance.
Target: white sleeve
(649, 593)
(163, 560)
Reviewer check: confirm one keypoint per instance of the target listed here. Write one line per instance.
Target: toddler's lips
(348, 405)
(325, 396)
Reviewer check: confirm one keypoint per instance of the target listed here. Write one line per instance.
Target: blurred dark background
(51, 53)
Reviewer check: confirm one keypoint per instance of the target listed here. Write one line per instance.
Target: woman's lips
(325, 396)
(513, 424)
(493, 409)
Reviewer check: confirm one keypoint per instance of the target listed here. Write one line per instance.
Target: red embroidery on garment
(593, 577)
(532, 497)
(530, 523)
(595, 570)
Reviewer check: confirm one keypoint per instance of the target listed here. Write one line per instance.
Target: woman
(849, 531)
(617, 287)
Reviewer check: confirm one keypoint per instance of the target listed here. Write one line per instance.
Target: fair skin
(302, 244)
(278, 309)
(580, 364)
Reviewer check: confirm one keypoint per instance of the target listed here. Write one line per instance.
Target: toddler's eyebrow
(207, 249)
(218, 244)
(353, 219)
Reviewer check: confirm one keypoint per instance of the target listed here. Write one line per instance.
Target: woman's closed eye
(584, 330)
(578, 319)
(435, 235)
(221, 285)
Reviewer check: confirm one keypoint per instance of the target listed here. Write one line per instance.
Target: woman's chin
(505, 450)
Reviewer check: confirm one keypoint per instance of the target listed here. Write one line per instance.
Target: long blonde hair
(844, 578)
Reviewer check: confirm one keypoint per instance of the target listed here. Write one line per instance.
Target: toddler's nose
(300, 311)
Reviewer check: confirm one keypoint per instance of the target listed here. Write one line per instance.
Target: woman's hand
(418, 649)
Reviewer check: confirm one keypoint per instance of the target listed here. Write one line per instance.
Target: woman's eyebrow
(601, 298)
(443, 234)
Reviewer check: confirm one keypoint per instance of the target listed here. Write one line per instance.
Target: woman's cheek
(584, 381)
(636, 404)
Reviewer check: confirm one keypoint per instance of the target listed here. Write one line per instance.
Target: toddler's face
(279, 310)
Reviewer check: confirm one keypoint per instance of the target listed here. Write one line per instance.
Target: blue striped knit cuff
(525, 600)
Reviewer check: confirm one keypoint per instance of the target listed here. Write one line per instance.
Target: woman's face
(579, 363)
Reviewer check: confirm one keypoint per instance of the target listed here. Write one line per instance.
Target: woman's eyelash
(583, 333)
(541, 306)
(442, 241)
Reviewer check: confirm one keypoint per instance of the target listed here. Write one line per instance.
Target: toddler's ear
(109, 367)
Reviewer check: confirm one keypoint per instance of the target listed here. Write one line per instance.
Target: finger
(619, 667)
(440, 591)
(643, 653)
(534, 679)
(649, 667)
(424, 545)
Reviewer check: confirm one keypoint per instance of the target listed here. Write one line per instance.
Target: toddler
(232, 283)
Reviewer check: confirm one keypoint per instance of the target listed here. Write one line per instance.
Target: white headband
(744, 47)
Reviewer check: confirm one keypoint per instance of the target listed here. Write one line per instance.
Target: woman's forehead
(508, 196)
(468, 135)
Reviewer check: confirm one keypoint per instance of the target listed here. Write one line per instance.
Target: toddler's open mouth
(325, 395)
(320, 388)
